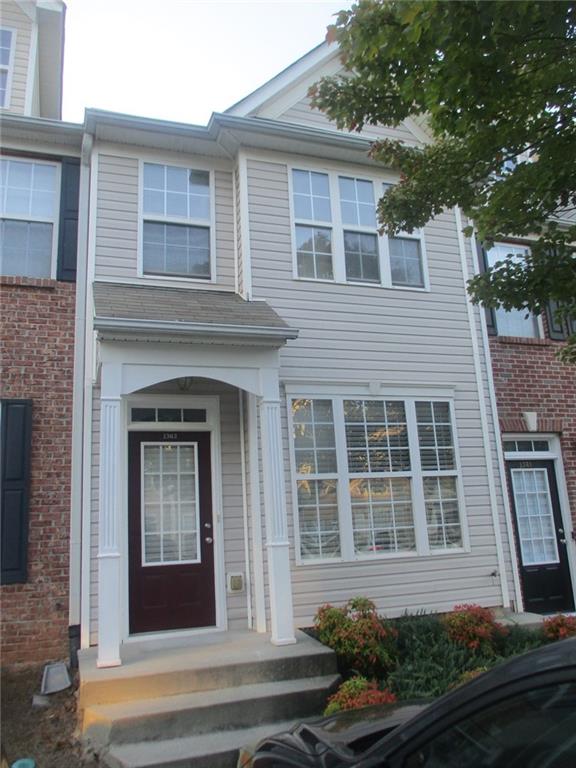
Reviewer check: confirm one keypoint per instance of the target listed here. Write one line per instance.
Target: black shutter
(68, 227)
(489, 312)
(556, 328)
(14, 476)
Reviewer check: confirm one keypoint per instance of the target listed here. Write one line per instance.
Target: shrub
(430, 663)
(559, 627)
(356, 693)
(362, 640)
(517, 640)
(473, 627)
(470, 674)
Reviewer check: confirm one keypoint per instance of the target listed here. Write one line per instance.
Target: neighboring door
(541, 537)
(171, 549)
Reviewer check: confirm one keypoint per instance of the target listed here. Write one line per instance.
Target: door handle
(208, 540)
(562, 541)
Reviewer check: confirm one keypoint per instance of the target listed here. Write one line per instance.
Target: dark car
(521, 714)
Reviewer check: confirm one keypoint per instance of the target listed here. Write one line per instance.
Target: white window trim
(337, 227)
(538, 324)
(416, 475)
(55, 221)
(161, 563)
(191, 166)
(10, 68)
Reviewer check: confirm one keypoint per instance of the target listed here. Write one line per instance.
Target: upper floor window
(337, 238)
(29, 207)
(514, 322)
(176, 230)
(7, 39)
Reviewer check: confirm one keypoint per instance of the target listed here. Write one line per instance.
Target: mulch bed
(46, 734)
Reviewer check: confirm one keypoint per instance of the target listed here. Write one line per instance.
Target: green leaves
(497, 83)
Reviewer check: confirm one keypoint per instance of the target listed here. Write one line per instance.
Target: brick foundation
(37, 353)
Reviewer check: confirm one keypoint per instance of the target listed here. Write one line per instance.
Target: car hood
(334, 741)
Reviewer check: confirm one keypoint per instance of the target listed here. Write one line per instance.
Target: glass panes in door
(535, 516)
(170, 503)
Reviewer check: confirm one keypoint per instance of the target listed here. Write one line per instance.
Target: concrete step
(212, 750)
(246, 659)
(204, 712)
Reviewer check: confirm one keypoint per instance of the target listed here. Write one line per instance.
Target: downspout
(519, 605)
(248, 577)
(483, 417)
(75, 567)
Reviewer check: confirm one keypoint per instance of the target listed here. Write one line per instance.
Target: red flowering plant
(356, 693)
(362, 640)
(559, 627)
(474, 627)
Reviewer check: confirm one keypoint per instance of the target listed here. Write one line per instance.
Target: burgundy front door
(171, 549)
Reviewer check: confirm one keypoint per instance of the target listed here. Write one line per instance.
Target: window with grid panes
(177, 221)
(6, 59)
(313, 230)
(339, 238)
(29, 208)
(438, 460)
(355, 471)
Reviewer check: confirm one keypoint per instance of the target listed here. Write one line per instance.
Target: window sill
(45, 283)
(353, 283)
(522, 341)
(381, 558)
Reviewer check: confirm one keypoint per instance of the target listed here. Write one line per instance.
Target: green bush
(356, 693)
(362, 640)
(429, 662)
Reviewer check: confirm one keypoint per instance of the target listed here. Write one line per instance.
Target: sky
(182, 60)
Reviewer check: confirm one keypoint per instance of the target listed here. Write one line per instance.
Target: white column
(109, 535)
(277, 545)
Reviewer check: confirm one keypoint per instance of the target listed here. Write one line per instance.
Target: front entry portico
(129, 365)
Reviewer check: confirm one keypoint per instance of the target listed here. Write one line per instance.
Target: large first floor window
(374, 477)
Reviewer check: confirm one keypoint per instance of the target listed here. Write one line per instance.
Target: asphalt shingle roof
(182, 305)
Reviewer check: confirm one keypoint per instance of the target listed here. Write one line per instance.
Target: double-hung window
(513, 322)
(336, 233)
(7, 45)
(29, 208)
(177, 222)
(313, 224)
(374, 477)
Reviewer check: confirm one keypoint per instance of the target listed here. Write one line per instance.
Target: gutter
(192, 329)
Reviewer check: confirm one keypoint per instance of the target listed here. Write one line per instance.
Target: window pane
(516, 322)
(314, 439)
(318, 518)
(406, 262)
(382, 517)
(442, 513)
(376, 436)
(361, 253)
(357, 202)
(25, 248)
(170, 507)
(174, 249)
(174, 191)
(314, 252)
(435, 436)
(533, 504)
(311, 195)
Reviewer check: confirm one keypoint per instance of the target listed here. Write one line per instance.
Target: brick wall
(37, 354)
(528, 377)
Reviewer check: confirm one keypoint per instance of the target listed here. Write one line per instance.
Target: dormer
(31, 57)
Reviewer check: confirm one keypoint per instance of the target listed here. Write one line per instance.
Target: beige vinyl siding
(117, 226)
(239, 259)
(303, 114)
(359, 334)
(14, 18)
(232, 507)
